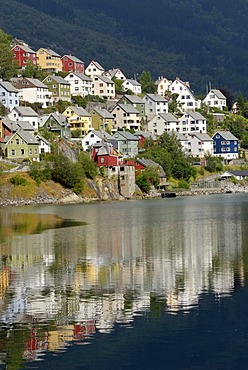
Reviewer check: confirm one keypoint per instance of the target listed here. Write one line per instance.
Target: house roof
(80, 111)
(25, 48)
(145, 134)
(127, 135)
(168, 117)
(133, 82)
(196, 116)
(128, 108)
(238, 172)
(201, 136)
(40, 137)
(113, 72)
(31, 82)
(26, 111)
(73, 58)
(102, 134)
(218, 93)
(60, 118)
(81, 76)
(25, 126)
(104, 113)
(227, 135)
(105, 79)
(157, 98)
(8, 86)
(25, 135)
(180, 136)
(149, 162)
(51, 52)
(134, 99)
(11, 126)
(58, 79)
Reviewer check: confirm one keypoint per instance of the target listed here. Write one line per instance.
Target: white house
(132, 85)
(24, 114)
(9, 95)
(187, 101)
(201, 144)
(94, 69)
(215, 99)
(163, 85)
(34, 91)
(80, 84)
(44, 145)
(103, 86)
(178, 85)
(116, 73)
(94, 137)
(126, 116)
(192, 122)
(163, 122)
(155, 104)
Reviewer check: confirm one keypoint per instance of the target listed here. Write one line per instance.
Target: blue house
(225, 145)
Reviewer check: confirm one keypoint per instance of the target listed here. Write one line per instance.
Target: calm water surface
(158, 284)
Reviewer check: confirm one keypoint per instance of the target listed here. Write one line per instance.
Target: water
(156, 284)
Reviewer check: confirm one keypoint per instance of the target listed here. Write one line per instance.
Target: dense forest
(200, 41)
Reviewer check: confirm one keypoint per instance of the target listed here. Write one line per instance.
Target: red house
(72, 64)
(104, 155)
(23, 54)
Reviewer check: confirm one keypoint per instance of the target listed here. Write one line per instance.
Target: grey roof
(145, 134)
(149, 162)
(113, 71)
(127, 135)
(168, 117)
(157, 98)
(218, 93)
(25, 125)
(51, 52)
(128, 108)
(134, 99)
(102, 134)
(133, 82)
(227, 135)
(58, 79)
(25, 135)
(201, 136)
(180, 136)
(80, 111)
(81, 76)
(26, 48)
(72, 57)
(35, 82)
(104, 113)
(105, 79)
(60, 118)
(26, 111)
(40, 137)
(196, 116)
(8, 86)
(239, 172)
(11, 125)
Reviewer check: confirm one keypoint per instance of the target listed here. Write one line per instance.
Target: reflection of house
(225, 145)
(56, 123)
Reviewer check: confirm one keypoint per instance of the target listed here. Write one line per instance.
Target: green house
(56, 123)
(21, 145)
(60, 88)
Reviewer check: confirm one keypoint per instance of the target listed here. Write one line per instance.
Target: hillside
(199, 41)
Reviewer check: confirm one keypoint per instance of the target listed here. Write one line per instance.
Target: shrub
(18, 180)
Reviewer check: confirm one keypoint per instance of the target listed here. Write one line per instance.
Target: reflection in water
(120, 261)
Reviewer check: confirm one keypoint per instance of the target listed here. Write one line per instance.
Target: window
(102, 160)
(17, 141)
(30, 151)
(12, 151)
(22, 151)
(76, 82)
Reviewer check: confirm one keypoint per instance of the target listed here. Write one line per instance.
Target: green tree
(8, 66)
(147, 83)
(118, 84)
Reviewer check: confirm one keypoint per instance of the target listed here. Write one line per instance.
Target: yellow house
(79, 120)
(102, 120)
(49, 60)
